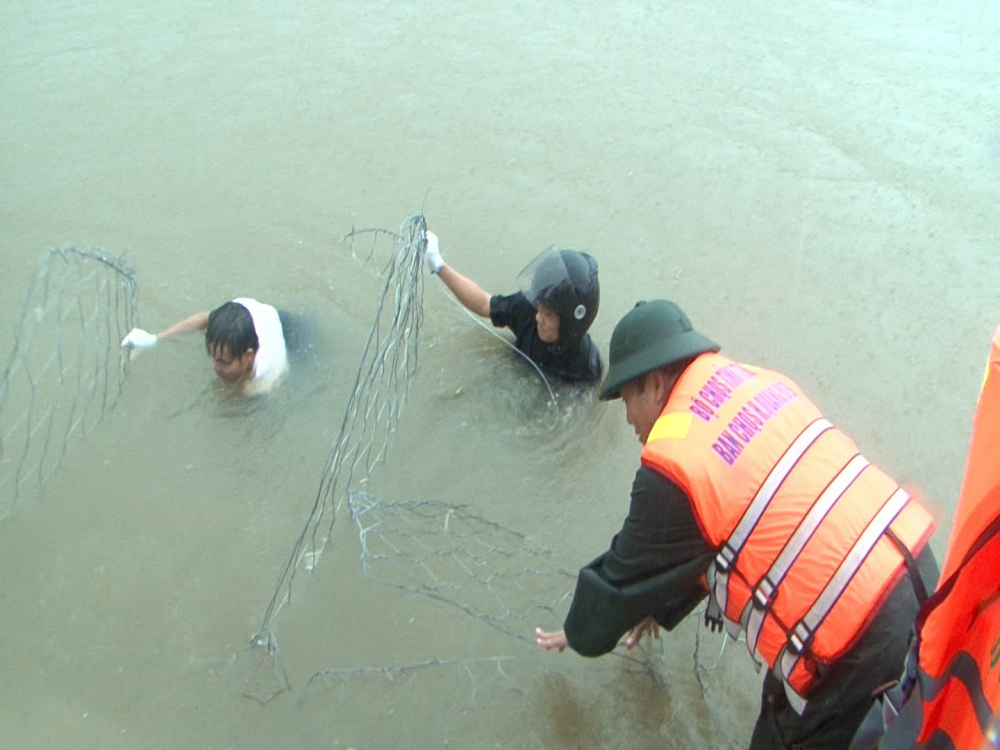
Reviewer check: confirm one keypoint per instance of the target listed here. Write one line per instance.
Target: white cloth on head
(271, 360)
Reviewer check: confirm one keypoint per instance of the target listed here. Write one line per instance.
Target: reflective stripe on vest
(768, 586)
(802, 633)
(734, 545)
(796, 514)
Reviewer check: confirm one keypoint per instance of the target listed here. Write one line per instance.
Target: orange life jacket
(958, 679)
(808, 532)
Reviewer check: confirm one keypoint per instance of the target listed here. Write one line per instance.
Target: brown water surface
(816, 183)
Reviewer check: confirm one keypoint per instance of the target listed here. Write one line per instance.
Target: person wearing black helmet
(550, 315)
(748, 496)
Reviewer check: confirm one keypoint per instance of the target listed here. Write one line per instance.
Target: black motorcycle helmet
(565, 281)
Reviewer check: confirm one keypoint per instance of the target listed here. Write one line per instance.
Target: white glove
(139, 339)
(432, 257)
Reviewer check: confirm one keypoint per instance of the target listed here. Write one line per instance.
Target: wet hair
(231, 327)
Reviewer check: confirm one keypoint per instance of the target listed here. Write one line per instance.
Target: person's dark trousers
(839, 703)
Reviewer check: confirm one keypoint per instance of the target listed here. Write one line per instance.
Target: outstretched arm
(138, 339)
(472, 296)
(196, 322)
(468, 292)
(653, 568)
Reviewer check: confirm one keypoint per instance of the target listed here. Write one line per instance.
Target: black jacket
(579, 364)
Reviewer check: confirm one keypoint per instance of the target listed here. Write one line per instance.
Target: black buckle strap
(916, 580)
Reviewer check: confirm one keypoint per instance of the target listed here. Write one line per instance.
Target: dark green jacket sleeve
(653, 567)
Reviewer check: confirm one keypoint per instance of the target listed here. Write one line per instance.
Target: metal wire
(65, 369)
(492, 574)
(506, 342)
(448, 553)
(701, 668)
(464, 668)
(388, 363)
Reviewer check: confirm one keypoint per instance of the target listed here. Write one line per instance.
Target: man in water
(747, 495)
(550, 315)
(245, 340)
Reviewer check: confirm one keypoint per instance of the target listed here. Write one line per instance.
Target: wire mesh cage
(66, 369)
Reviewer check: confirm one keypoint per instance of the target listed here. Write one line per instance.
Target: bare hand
(649, 625)
(549, 641)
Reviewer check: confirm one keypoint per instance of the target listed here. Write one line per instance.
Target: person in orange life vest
(550, 315)
(949, 695)
(245, 340)
(747, 495)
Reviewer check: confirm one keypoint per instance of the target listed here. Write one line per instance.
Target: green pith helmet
(651, 335)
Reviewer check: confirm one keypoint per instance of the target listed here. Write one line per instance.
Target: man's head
(650, 347)
(231, 341)
(563, 287)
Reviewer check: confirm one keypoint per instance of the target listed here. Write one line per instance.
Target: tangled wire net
(388, 363)
(447, 552)
(65, 369)
(495, 575)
